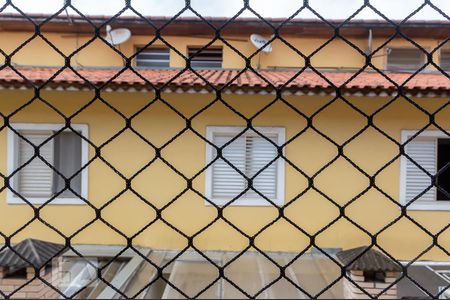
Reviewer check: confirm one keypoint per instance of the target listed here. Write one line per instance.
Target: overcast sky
(336, 9)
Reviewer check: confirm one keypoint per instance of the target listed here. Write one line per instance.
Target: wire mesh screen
(297, 159)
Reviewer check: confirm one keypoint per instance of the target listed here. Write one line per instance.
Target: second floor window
(405, 59)
(206, 58)
(153, 58)
(445, 59)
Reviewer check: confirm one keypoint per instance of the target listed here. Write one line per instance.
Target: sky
(331, 9)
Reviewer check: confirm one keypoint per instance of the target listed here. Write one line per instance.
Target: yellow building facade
(159, 184)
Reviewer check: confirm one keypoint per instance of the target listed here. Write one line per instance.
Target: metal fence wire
(218, 91)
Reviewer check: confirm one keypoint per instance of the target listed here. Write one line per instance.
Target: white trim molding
(419, 205)
(12, 140)
(211, 132)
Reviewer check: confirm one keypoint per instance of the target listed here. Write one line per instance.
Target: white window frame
(279, 201)
(436, 205)
(12, 139)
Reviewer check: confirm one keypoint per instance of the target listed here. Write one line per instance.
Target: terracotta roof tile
(265, 80)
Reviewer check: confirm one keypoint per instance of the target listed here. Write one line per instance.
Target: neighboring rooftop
(371, 260)
(236, 27)
(37, 254)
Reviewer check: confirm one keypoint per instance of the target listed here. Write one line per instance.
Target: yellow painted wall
(159, 184)
(336, 54)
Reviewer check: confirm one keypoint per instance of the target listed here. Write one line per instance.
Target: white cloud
(331, 9)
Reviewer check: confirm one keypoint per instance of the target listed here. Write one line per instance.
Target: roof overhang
(193, 26)
(226, 81)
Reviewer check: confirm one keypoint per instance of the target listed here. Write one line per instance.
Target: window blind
(206, 58)
(37, 179)
(424, 153)
(249, 154)
(153, 58)
(261, 152)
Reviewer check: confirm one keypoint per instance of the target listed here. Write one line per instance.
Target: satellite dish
(260, 43)
(117, 36)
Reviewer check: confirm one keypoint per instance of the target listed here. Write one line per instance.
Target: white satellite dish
(117, 36)
(258, 41)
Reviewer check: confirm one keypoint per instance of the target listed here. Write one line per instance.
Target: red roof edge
(209, 80)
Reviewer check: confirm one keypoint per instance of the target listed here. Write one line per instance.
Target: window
(153, 58)
(36, 181)
(445, 59)
(405, 59)
(374, 276)
(206, 58)
(249, 153)
(430, 150)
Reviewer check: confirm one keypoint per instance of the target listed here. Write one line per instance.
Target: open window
(248, 156)
(41, 157)
(429, 155)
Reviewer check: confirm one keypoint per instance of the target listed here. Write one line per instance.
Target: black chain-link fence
(398, 92)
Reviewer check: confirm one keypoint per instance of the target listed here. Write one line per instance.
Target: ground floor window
(40, 157)
(428, 155)
(246, 154)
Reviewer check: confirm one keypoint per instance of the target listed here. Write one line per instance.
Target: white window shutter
(424, 153)
(260, 153)
(249, 153)
(36, 178)
(226, 182)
